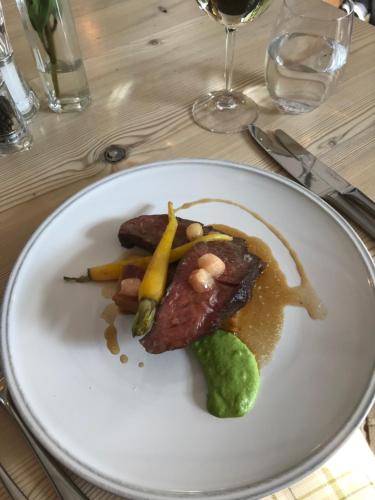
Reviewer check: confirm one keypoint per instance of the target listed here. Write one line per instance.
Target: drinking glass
(307, 53)
(227, 111)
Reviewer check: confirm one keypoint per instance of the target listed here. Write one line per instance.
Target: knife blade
(326, 173)
(313, 174)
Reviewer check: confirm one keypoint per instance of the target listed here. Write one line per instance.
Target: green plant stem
(53, 60)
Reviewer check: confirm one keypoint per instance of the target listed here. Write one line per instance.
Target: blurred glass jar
(307, 53)
(25, 99)
(14, 133)
(51, 32)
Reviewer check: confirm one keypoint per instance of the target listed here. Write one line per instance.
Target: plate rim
(260, 488)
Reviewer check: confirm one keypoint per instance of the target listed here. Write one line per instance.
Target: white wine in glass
(227, 111)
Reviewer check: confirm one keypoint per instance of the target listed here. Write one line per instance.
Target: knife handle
(361, 199)
(64, 486)
(10, 486)
(365, 220)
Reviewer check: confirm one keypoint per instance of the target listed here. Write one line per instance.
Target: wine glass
(227, 111)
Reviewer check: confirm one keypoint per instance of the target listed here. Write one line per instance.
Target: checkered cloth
(349, 473)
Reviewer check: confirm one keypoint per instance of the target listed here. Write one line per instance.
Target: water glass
(307, 53)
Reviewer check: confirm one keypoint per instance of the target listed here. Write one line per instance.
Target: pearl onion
(212, 264)
(130, 286)
(201, 280)
(194, 231)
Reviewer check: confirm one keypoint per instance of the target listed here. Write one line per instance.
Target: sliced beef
(184, 315)
(145, 231)
(125, 303)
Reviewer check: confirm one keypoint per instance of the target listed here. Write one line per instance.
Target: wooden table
(146, 63)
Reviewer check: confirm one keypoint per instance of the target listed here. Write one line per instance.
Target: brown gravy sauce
(259, 323)
(124, 358)
(108, 290)
(109, 315)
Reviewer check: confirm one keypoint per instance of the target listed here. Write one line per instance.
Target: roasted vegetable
(112, 271)
(153, 284)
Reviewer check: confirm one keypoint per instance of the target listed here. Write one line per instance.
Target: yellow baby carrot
(113, 270)
(154, 280)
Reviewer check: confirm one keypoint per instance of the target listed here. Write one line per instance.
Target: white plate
(144, 432)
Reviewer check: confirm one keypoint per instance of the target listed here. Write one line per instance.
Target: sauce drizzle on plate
(109, 315)
(259, 323)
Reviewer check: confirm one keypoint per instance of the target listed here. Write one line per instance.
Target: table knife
(313, 174)
(10, 486)
(64, 486)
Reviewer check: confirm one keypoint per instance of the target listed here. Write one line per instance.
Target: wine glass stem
(229, 57)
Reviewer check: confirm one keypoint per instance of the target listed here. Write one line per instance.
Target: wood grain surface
(146, 63)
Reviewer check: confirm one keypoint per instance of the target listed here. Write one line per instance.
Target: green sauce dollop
(231, 371)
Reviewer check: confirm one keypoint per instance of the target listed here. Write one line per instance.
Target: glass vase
(51, 32)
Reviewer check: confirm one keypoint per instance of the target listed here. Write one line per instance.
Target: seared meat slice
(145, 231)
(184, 315)
(125, 303)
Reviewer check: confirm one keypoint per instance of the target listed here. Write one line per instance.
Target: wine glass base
(224, 112)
